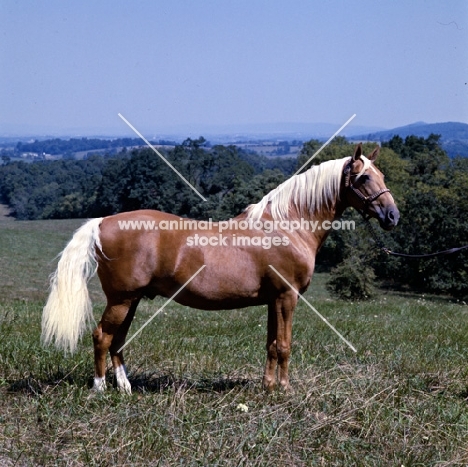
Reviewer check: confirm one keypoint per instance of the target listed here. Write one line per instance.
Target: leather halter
(367, 200)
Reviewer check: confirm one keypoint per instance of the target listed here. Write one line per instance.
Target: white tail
(68, 309)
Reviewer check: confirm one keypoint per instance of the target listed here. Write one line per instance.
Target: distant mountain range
(213, 132)
(454, 135)
(287, 131)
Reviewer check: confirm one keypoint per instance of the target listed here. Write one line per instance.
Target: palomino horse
(150, 261)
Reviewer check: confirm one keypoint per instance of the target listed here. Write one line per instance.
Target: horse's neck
(320, 226)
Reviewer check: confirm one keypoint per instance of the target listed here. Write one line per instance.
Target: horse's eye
(364, 178)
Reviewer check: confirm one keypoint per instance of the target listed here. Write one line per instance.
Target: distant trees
(138, 179)
(434, 217)
(58, 189)
(58, 146)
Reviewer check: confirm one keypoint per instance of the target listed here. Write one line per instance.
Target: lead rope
(381, 246)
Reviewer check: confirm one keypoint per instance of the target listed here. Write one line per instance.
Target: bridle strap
(367, 200)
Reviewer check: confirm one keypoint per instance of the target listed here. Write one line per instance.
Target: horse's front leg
(269, 375)
(280, 315)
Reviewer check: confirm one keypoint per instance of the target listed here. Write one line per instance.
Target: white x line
(162, 157)
(351, 346)
(204, 199)
(324, 145)
(159, 311)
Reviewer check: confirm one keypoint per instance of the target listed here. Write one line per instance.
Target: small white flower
(242, 408)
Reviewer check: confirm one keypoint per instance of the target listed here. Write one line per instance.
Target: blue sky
(73, 66)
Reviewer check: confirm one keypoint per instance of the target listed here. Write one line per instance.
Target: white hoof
(123, 384)
(99, 384)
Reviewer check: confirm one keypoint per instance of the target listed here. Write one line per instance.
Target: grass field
(196, 378)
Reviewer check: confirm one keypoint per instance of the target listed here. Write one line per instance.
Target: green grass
(401, 400)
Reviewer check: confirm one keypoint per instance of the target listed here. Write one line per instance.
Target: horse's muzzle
(392, 216)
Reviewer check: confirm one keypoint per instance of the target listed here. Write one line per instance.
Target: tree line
(59, 146)
(101, 185)
(429, 189)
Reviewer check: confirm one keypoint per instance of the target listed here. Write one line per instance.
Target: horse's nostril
(393, 216)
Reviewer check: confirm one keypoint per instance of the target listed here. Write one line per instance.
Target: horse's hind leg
(118, 342)
(110, 336)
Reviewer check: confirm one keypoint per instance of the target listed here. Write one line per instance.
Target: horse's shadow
(34, 386)
(153, 383)
(141, 383)
(30, 386)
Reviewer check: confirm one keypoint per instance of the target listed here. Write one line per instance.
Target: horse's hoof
(99, 384)
(287, 388)
(123, 384)
(125, 389)
(269, 385)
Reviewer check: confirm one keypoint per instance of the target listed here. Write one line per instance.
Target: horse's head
(365, 189)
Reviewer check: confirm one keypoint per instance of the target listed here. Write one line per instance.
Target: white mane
(308, 193)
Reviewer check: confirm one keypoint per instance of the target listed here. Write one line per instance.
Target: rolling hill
(454, 135)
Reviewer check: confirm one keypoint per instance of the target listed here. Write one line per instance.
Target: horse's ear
(357, 152)
(373, 155)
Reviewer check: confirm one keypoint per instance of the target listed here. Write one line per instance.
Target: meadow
(401, 400)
